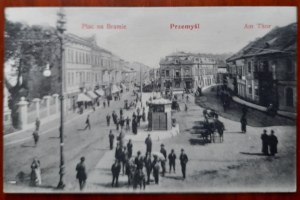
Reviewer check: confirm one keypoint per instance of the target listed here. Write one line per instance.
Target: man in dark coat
(163, 162)
(111, 137)
(138, 161)
(172, 158)
(148, 143)
(220, 128)
(265, 143)
(114, 117)
(87, 122)
(273, 141)
(118, 152)
(243, 124)
(134, 126)
(148, 165)
(108, 119)
(81, 173)
(155, 167)
(127, 124)
(35, 135)
(183, 161)
(129, 148)
(115, 169)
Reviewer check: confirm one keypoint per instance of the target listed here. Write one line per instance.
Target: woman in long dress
(36, 178)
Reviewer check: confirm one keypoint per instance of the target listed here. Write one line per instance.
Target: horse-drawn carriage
(211, 129)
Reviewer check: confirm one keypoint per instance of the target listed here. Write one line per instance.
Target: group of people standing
(269, 143)
(139, 168)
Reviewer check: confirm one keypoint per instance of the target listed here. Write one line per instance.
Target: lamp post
(60, 27)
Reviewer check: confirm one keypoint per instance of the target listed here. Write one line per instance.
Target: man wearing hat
(81, 173)
(115, 169)
(265, 142)
(155, 167)
(148, 143)
(163, 162)
(183, 161)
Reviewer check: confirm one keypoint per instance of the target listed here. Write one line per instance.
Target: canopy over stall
(83, 98)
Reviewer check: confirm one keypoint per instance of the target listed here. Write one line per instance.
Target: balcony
(263, 75)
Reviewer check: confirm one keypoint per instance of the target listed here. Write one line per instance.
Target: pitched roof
(278, 40)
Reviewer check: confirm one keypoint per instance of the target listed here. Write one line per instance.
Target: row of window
(187, 72)
(81, 57)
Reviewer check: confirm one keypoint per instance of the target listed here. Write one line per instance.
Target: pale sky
(148, 36)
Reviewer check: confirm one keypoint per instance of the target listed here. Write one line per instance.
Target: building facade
(264, 72)
(187, 71)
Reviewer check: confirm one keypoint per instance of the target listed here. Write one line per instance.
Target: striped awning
(83, 98)
(100, 92)
(92, 95)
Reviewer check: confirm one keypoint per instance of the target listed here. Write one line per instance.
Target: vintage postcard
(149, 100)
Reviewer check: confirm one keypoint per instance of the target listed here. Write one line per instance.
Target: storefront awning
(92, 95)
(100, 92)
(114, 89)
(83, 98)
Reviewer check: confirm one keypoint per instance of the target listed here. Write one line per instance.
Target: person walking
(172, 161)
(118, 152)
(121, 139)
(265, 142)
(111, 137)
(35, 176)
(185, 107)
(220, 128)
(115, 169)
(273, 141)
(156, 168)
(124, 159)
(36, 136)
(144, 115)
(81, 173)
(129, 148)
(104, 104)
(127, 124)
(134, 126)
(108, 120)
(183, 161)
(243, 124)
(163, 162)
(148, 165)
(114, 117)
(37, 124)
(148, 143)
(138, 161)
(87, 122)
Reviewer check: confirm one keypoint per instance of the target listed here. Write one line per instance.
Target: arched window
(289, 97)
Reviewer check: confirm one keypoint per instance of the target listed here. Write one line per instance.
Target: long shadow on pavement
(252, 154)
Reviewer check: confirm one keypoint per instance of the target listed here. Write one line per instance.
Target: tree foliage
(31, 48)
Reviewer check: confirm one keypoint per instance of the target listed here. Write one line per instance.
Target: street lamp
(60, 27)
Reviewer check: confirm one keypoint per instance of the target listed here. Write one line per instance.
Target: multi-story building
(88, 66)
(187, 71)
(264, 72)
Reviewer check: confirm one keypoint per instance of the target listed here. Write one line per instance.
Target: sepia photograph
(150, 99)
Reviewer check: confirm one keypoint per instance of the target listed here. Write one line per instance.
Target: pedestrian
(265, 142)
(37, 124)
(114, 117)
(243, 124)
(35, 135)
(87, 122)
(127, 124)
(148, 143)
(133, 115)
(121, 112)
(129, 148)
(108, 120)
(187, 98)
(115, 169)
(117, 124)
(138, 161)
(35, 176)
(104, 104)
(172, 161)
(122, 122)
(108, 102)
(183, 161)
(163, 162)
(148, 165)
(118, 152)
(144, 115)
(81, 173)
(156, 168)
(111, 137)
(185, 107)
(124, 159)
(134, 126)
(273, 141)
(121, 139)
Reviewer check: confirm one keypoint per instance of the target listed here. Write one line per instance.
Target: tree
(28, 49)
